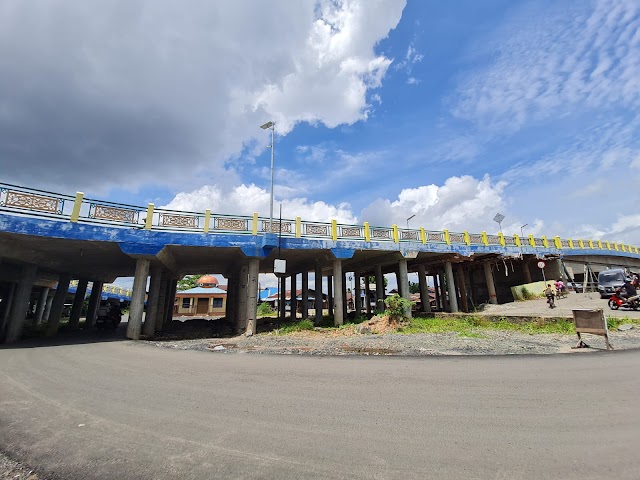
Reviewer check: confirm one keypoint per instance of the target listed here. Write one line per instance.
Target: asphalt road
(120, 410)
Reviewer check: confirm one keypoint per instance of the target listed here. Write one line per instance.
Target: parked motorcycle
(616, 301)
(109, 316)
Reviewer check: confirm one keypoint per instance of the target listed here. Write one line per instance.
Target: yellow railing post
(254, 224)
(557, 242)
(581, 243)
(423, 235)
(334, 230)
(591, 244)
(608, 245)
(149, 221)
(570, 243)
(367, 232)
(615, 246)
(600, 245)
(485, 240)
(467, 239)
(501, 238)
(298, 227)
(207, 220)
(447, 240)
(516, 240)
(532, 241)
(396, 237)
(77, 204)
(545, 242)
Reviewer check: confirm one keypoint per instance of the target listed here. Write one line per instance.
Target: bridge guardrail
(41, 203)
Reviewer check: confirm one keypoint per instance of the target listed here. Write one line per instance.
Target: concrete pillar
(330, 295)
(42, 303)
(367, 295)
(462, 288)
(403, 280)
(318, 295)
(47, 309)
(527, 272)
(58, 304)
(243, 282)
(7, 303)
(358, 294)
(78, 303)
(282, 306)
(252, 296)
(136, 309)
(344, 296)
(20, 303)
(338, 314)
(436, 287)
(379, 289)
(149, 327)
(94, 304)
(491, 287)
(172, 287)
(424, 290)
(294, 299)
(162, 302)
(305, 294)
(451, 287)
(230, 311)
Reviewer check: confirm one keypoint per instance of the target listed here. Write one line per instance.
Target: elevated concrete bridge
(46, 235)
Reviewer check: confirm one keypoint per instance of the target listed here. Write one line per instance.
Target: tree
(414, 287)
(372, 280)
(189, 281)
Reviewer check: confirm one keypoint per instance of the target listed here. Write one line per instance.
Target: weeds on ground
(473, 325)
(296, 327)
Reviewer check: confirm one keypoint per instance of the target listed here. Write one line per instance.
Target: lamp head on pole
(269, 124)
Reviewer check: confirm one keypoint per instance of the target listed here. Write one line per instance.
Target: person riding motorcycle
(627, 290)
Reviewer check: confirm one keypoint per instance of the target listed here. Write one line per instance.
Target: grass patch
(472, 326)
(296, 327)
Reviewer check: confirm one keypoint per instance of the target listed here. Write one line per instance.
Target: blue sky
(449, 111)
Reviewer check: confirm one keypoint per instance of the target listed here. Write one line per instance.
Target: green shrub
(297, 327)
(397, 306)
(265, 309)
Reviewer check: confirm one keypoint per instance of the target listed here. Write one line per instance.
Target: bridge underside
(35, 255)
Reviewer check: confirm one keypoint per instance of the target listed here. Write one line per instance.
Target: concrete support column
(436, 287)
(367, 295)
(451, 287)
(136, 309)
(20, 303)
(42, 303)
(318, 295)
(330, 295)
(358, 294)
(243, 282)
(403, 281)
(491, 287)
(58, 304)
(462, 288)
(78, 303)
(305, 294)
(527, 272)
(172, 287)
(162, 302)
(252, 296)
(379, 289)
(294, 299)
(424, 290)
(7, 303)
(338, 315)
(47, 309)
(344, 296)
(150, 319)
(94, 304)
(282, 306)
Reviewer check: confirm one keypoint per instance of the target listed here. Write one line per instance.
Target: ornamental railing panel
(493, 240)
(475, 239)
(351, 232)
(177, 221)
(31, 201)
(564, 243)
(539, 242)
(113, 214)
(456, 237)
(316, 230)
(409, 235)
(435, 236)
(381, 233)
(233, 224)
(509, 241)
(287, 227)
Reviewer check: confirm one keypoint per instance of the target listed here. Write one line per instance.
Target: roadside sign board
(541, 264)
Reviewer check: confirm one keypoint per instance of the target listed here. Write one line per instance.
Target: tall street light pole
(410, 219)
(522, 230)
(271, 125)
